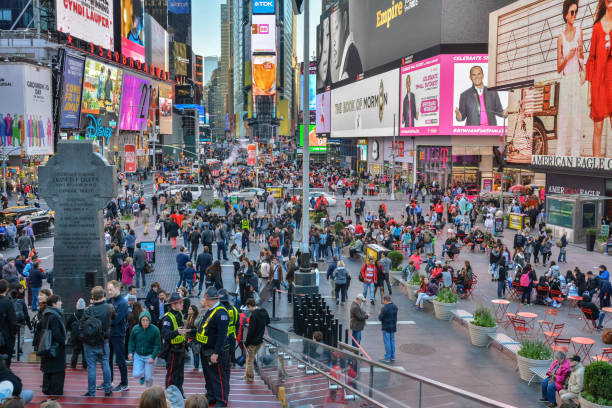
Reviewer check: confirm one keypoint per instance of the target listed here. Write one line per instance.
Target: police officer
(214, 350)
(232, 328)
(173, 334)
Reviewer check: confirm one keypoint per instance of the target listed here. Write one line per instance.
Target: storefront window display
(434, 165)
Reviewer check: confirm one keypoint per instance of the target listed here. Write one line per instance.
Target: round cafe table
(573, 305)
(529, 317)
(608, 311)
(501, 307)
(582, 347)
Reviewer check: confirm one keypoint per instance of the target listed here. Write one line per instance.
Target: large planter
(600, 247)
(590, 242)
(412, 290)
(588, 404)
(444, 311)
(479, 335)
(524, 365)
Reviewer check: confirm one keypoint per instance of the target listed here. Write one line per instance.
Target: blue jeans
(221, 247)
(357, 335)
(196, 355)
(549, 390)
(93, 355)
(314, 257)
(181, 279)
(159, 236)
(429, 248)
(338, 252)
(389, 340)
(143, 368)
(117, 351)
(188, 279)
(562, 256)
(501, 288)
(140, 273)
(365, 290)
(35, 299)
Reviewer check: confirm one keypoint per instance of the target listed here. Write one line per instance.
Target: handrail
(329, 377)
(445, 387)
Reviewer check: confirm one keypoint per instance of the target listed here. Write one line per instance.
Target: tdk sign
(263, 7)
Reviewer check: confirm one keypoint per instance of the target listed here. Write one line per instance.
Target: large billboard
(263, 6)
(88, 20)
(132, 29)
(313, 91)
(264, 75)
(71, 91)
(367, 107)
(135, 101)
(25, 110)
(179, 6)
(447, 95)
(358, 35)
(316, 143)
(156, 47)
(561, 121)
(180, 58)
(324, 113)
(165, 109)
(263, 34)
(101, 100)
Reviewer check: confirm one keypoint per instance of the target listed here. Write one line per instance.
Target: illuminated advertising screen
(132, 29)
(420, 98)
(25, 110)
(88, 20)
(179, 6)
(134, 102)
(180, 59)
(153, 106)
(324, 113)
(263, 33)
(264, 75)
(199, 108)
(71, 96)
(263, 7)
(165, 109)
(556, 123)
(315, 142)
(156, 46)
(312, 94)
(367, 107)
(101, 98)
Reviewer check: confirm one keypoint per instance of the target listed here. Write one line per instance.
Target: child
(189, 274)
(143, 347)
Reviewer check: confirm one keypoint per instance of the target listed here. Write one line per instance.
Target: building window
(6, 15)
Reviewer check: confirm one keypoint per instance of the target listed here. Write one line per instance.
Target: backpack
(91, 331)
(18, 308)
(323, 239)
(525, 281)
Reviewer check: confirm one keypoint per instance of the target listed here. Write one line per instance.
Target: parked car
(42, 220)
(248, 193)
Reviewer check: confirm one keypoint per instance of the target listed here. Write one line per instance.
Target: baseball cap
(361, 297)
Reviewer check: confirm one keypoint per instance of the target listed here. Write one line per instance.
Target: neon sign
(95, 128)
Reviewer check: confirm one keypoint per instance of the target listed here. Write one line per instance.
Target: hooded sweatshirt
(145, 342)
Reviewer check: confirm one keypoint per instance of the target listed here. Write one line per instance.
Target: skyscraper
(210, 64)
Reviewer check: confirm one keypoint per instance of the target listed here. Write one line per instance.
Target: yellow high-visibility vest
(233, 315)
(180, 338)
(201, 336)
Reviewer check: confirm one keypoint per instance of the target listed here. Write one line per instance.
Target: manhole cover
(417, 349)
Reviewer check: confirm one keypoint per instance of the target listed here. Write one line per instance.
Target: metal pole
(393, 162)
(154, 137)
(4, 174)
(306, 148)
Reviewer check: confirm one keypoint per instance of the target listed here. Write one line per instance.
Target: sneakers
(372, 302)
(121, 387)
(101, 386)
(87, 394)
(384, 360)
(108, 394)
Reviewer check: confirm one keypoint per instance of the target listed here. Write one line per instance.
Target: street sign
(252, 154)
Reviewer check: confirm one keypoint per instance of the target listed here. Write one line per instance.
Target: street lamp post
(393, 147)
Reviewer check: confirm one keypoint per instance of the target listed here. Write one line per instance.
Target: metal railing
(353, 380)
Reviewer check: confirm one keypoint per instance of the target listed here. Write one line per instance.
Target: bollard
(274, 318)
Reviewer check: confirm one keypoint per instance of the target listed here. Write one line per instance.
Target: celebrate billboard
(87, 20)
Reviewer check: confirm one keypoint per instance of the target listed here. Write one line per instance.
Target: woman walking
(53, 362)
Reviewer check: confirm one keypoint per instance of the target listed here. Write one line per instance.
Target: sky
(206, 27)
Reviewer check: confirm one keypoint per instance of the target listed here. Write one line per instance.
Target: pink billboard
(447, 95)
(134, 102)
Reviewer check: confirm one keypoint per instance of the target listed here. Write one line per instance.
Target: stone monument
(77, 183)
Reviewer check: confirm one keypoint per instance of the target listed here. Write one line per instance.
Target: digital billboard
(264, 75)
(25, 109)
(313, 92)
(263, 33)
(180, 58)
(132, 29)
(179, 6)
(135, 101)
(156, 48)
(263, 7)
(87, 20)
(71, 91)
(420, 97)
(101, 95)
(165, 109)
(316, 143)
(199, 108)
(560, 121)
(324, 113)
(367, 107)
(153, 106)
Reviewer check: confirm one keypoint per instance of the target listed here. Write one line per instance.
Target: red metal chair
(510, 315)
(557, 296)
(521, 328)
(606, 355)
(546, 324)
(516, 291)
(469, 289)
(542, 293)
(560, 345)
(551, 335)
(588, 320)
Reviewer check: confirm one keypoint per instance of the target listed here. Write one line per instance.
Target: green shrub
(396, 258)
(549, 230)
(415, 279)
(318, 216)
(535, 350)
(127, 217)
(483, 317)
(338, 227)
(445, 295)
(598, 383)
(217, 203)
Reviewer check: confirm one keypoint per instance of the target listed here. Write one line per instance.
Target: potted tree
(533, 353)
(484, 323)
(445, 304)
(396, 258)
(597, 385)
(413, 286)
(591, 234)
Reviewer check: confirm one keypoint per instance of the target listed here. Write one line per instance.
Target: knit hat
(80, 304)
(6, 389)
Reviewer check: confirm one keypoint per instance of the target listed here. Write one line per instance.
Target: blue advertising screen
(200, 108)
(263, 7)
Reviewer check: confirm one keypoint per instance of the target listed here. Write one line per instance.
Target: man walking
(117, 333)
(181, 264)
(369, 277)
(257, 325)
(388, 319)
(204, 260)
(385, 261)
(220, 237)
(358, 319)
(24, 244)
(140, 258)
(173, 335)
(95, 332)
(348, 204)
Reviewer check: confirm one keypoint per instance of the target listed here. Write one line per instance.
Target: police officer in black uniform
(214, 350)
(173, 334)
(232, 329)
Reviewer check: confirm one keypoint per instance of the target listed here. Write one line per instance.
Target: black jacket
(54, 322)
(8, 324)
(36, 277)
(152, 305)
(105, 312)
(203, 262)
(257, 326)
